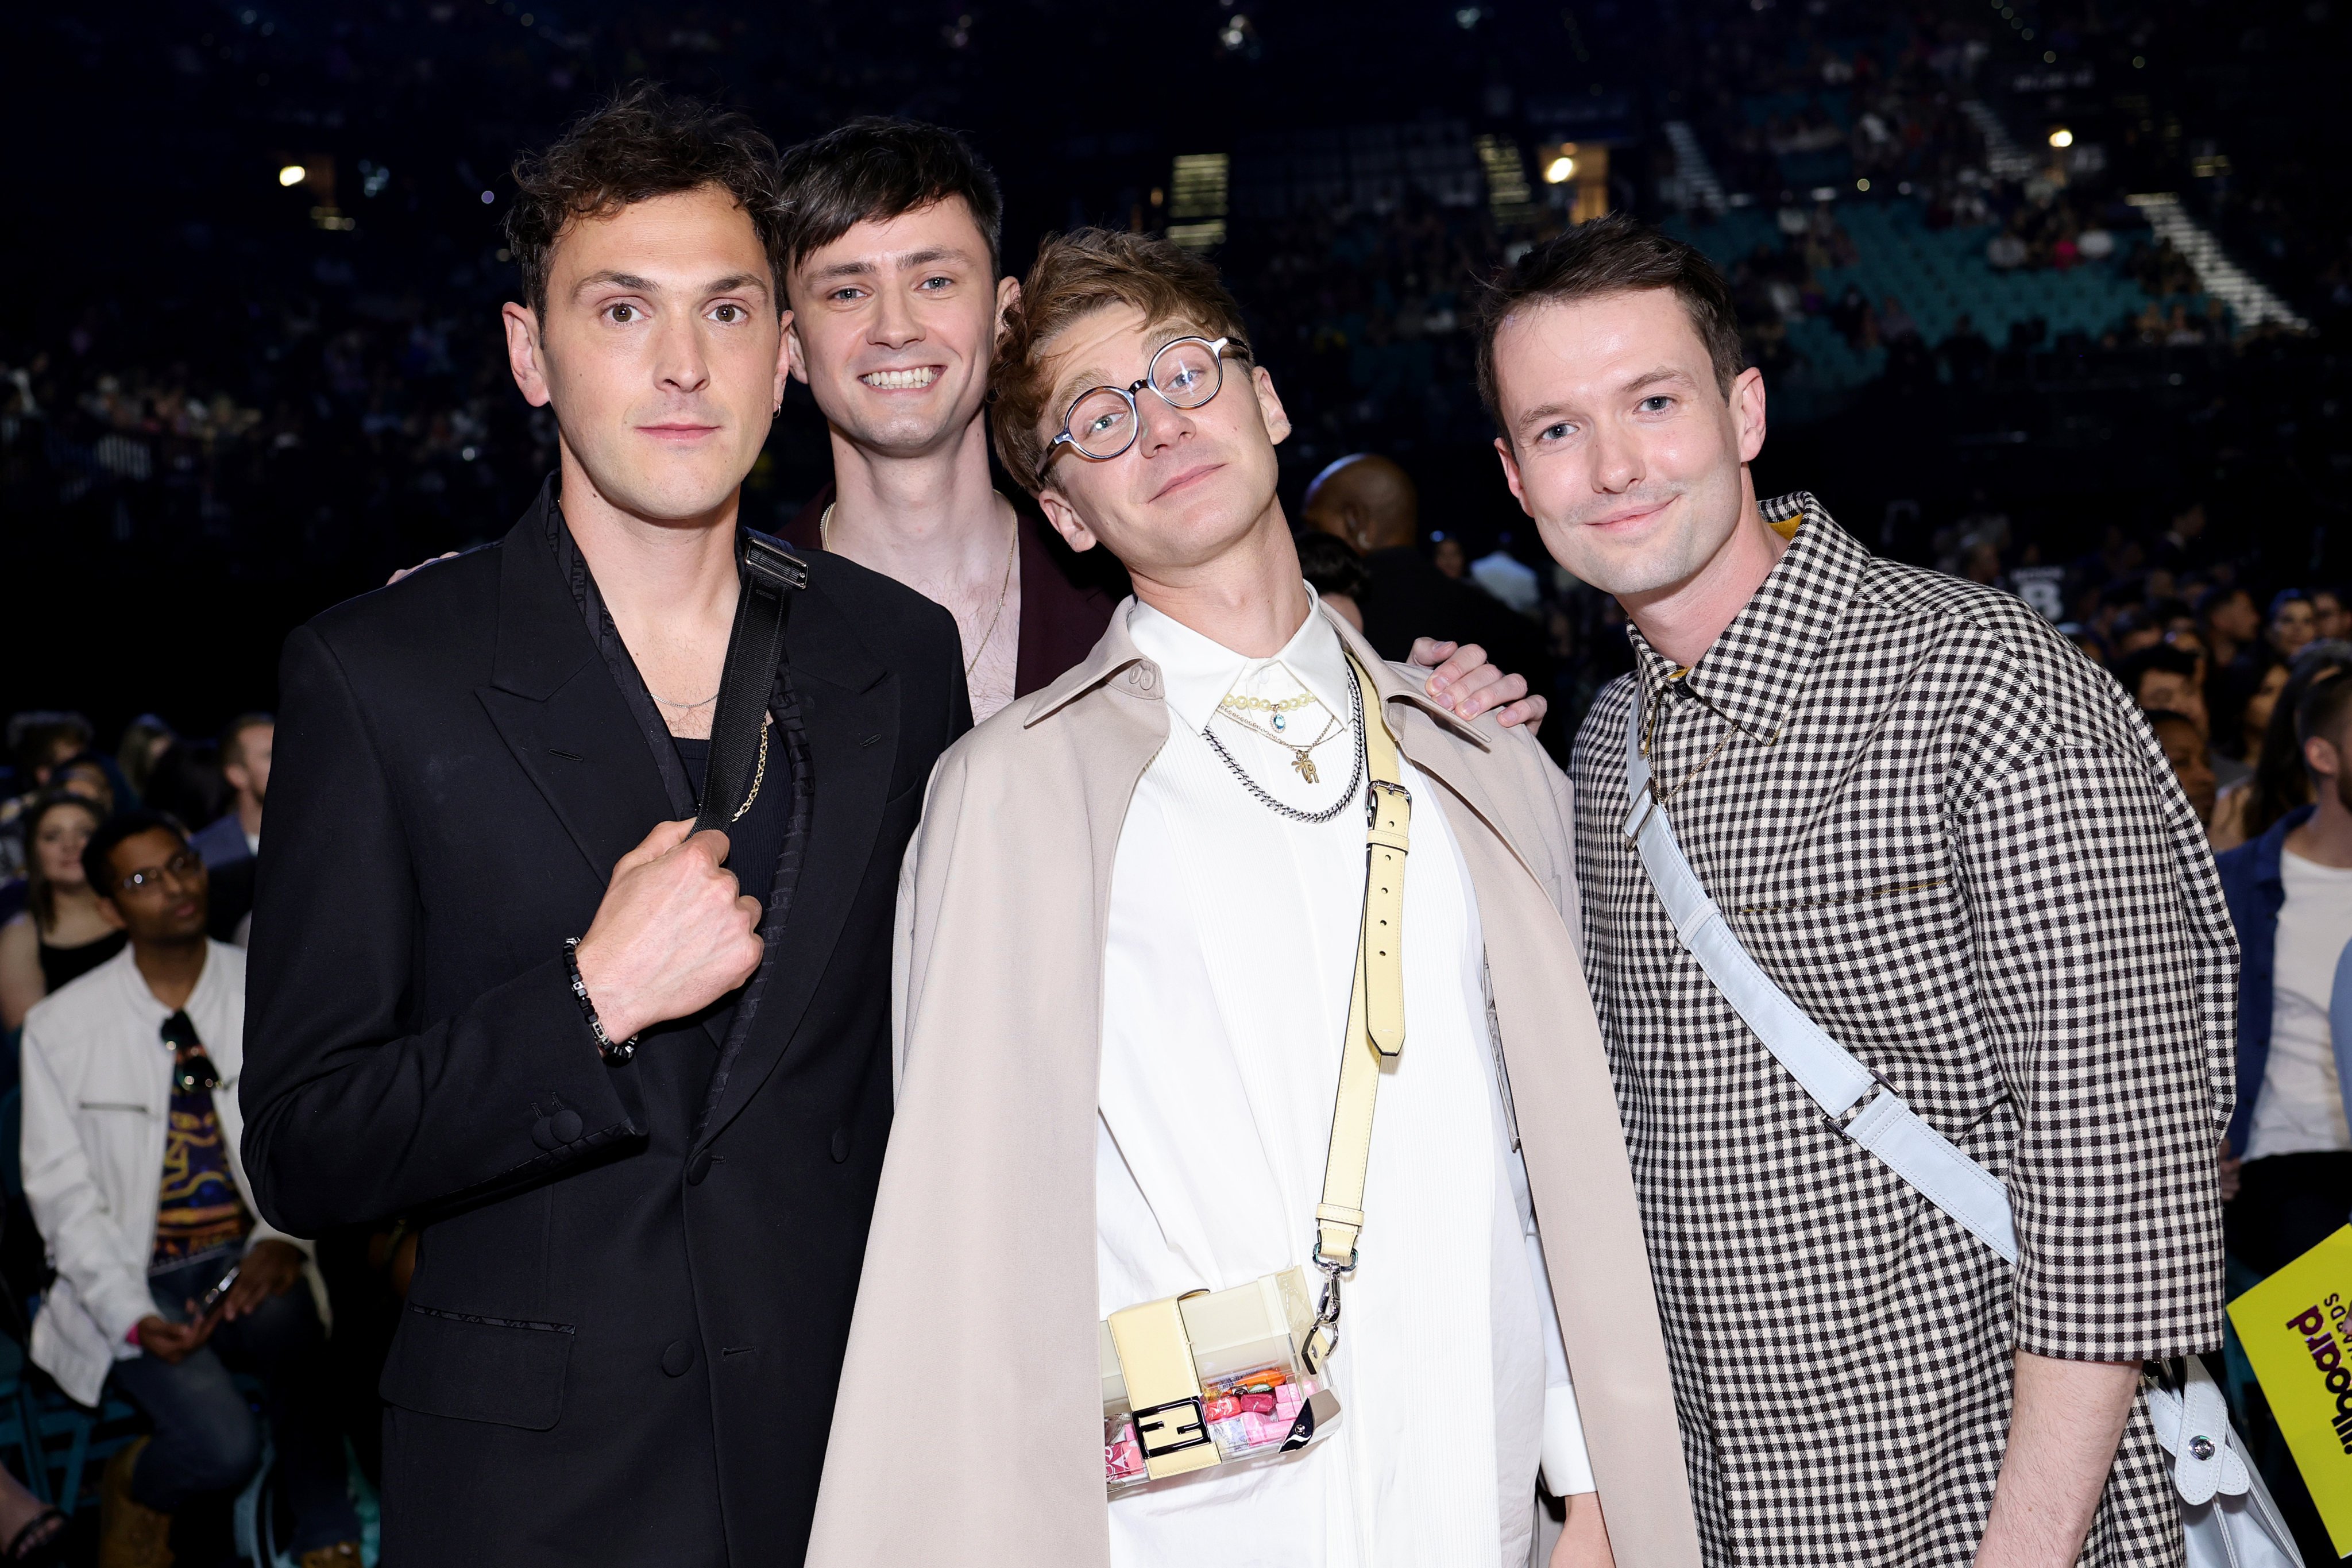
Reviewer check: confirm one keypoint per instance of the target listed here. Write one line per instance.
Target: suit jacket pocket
(473, 1368)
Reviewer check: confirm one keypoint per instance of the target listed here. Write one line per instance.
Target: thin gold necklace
(1012, 553)
(1301, 757)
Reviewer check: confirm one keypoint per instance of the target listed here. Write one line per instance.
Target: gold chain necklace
(758, 773)
(1300, 757)
(1012, 553)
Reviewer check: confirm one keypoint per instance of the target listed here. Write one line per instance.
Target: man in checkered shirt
(1953, 843)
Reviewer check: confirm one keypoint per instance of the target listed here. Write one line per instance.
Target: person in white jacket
(165, 1277)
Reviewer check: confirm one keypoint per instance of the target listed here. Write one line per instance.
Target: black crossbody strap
(772, 574)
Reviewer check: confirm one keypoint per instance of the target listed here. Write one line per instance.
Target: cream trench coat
(968, 1428)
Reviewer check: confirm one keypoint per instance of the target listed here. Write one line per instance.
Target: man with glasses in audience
(165, 1277)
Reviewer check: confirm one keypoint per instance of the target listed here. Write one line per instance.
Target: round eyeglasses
(1102, 421)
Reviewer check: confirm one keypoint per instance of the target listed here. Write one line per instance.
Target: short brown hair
(1613, 255)
(875, 168)
(640, 143)
(1075, 275)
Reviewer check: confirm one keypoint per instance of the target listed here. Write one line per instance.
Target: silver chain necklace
(1355, 776)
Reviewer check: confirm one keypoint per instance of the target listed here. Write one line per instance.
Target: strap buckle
(772, 563)
(1842, 1123)
(1374, 788)
(1637, 815)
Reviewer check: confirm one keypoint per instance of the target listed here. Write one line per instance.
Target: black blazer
(623, 1338)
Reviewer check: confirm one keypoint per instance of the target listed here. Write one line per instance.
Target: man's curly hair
(640, 143)
(1075, 275)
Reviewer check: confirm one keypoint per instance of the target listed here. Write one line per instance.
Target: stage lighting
(2061, 137)
(292, 175)
(1559, 171)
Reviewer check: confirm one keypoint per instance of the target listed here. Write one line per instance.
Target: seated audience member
(2280, 782)
(2227, 618)
(2134, 628)
(2184, 749)
(1337, 573)
(2251, 704)
(231, 842)
(2290, 894)
(1446, 554)
(2159, 676)
(39, 742)
(1371, 503)
(2292, 624)
(63, 932)
(133, 1173)
(90, 776)
(2329, 616)
(245, 749)
(145, 740)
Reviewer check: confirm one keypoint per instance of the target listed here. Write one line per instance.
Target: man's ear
(110, 914)
(1065, 520)
(796, 355)
(1748, 412)
(1008, 294)
(1511, 473)
(525, 356)
(1269, 407)
(783, 358)
(238, 778)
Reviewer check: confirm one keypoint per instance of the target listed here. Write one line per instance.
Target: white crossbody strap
(1858, 1102)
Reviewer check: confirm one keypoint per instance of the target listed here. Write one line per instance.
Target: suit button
(840, 1144)
(698, 1167)
(565, 1124)
(542, 1133)
(677, 1358)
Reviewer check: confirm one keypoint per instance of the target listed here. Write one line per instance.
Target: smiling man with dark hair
(891, 235)
(631, 1079)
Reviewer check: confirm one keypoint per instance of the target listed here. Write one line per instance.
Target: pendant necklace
(1301, 757)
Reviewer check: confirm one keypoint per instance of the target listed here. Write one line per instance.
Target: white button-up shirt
(1226, 977)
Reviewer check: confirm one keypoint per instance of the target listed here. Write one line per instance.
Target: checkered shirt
(1953, 842)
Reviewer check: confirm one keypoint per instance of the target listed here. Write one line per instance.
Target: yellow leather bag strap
(1375, 1007)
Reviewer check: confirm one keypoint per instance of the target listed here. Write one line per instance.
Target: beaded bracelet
(613, 1054)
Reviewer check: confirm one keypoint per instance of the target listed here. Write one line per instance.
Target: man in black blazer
(637, 1271)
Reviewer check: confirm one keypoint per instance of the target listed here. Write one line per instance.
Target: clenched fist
(673, 934)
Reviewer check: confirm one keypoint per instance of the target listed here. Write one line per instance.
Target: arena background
(248, 322)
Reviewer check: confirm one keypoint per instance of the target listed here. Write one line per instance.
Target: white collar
(143, 1002)
(1200, 671)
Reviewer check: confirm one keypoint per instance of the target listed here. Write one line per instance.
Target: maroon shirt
(1067, 598)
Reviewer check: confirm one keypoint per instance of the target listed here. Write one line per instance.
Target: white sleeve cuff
(1567, 1467)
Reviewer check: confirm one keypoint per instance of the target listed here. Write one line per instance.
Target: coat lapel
(554, 704)
(849, 709)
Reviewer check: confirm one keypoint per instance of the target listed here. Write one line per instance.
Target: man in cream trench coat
(969, 1426)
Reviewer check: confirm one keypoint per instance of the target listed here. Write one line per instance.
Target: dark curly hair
(640, 143)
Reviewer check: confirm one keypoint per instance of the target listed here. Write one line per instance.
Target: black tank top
(62, 965)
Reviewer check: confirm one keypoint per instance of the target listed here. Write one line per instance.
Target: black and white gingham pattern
(1952, 841)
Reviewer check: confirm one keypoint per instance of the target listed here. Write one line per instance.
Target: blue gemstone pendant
(1280, 722)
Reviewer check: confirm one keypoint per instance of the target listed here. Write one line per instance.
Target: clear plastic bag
(1257, 1395)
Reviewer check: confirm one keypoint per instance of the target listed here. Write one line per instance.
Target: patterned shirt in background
(1953, 842)
(198, 1210)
